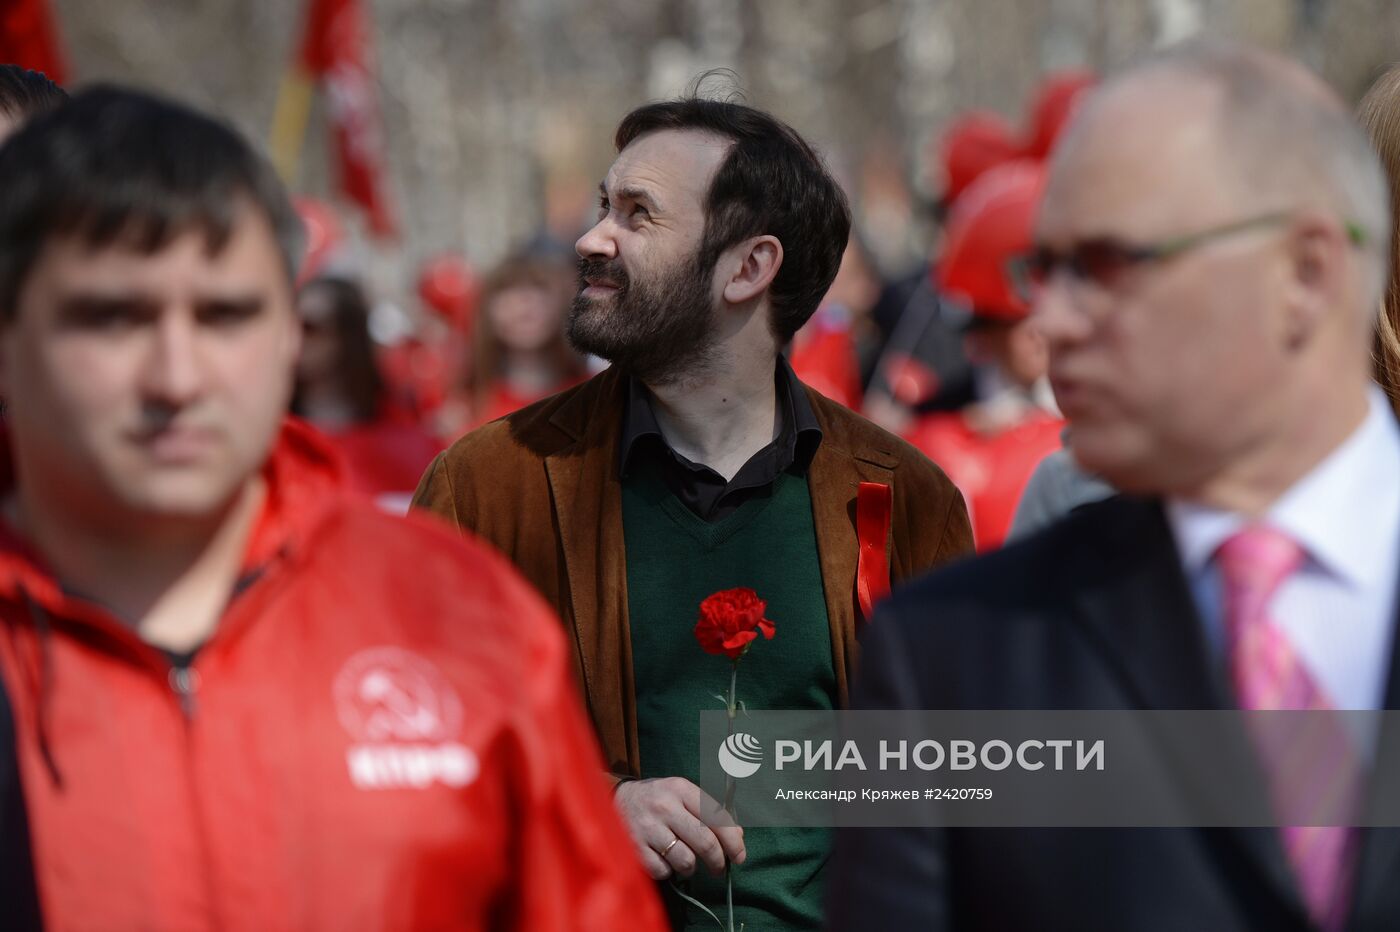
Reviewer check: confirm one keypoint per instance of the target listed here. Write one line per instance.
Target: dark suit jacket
(542, 486)
(1093, 613)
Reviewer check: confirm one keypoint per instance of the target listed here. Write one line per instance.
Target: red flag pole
(289, 123)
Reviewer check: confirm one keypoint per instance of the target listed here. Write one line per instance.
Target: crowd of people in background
(1126, 439)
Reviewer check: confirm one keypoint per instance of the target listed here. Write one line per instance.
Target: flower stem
(733, 708)
(729, 893)
(729, 786)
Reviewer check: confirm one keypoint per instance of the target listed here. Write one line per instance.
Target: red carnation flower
(730, 621)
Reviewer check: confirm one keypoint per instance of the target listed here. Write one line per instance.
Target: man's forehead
(669, 161)
(1145, 159)
(248, 258)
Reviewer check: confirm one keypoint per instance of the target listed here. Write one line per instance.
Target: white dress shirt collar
(1342, 513)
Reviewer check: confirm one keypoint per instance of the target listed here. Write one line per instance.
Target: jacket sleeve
(955, 540)
(888, 878)
(575, 864)
(935, 527)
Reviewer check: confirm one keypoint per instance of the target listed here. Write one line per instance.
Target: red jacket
(824, 357)
(991, 470)
(382, 734)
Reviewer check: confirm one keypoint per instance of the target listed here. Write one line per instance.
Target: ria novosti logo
(740, 755)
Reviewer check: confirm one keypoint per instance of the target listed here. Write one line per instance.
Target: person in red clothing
(990, 448)
(340, 390)
(921, 365)
(243, 697)
(973, 143)
(421, 367)
(23, 94)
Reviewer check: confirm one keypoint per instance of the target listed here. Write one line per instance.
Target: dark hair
(360, 383)
(116, 164)
(24, 93)
(771, 182)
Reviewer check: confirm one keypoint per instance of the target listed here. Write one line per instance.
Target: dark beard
(661, 332)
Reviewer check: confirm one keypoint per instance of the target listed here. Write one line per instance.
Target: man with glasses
(1209, 257)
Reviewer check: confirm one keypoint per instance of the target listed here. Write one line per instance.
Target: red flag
(28, 38)
(337, 50)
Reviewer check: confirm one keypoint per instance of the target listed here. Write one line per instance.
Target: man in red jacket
(23, 95)
(243, 700)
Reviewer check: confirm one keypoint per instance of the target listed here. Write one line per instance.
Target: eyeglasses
(1104, 262)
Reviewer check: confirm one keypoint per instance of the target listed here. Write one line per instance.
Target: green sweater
(674, 560)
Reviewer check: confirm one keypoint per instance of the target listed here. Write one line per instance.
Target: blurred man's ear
(1318, 250)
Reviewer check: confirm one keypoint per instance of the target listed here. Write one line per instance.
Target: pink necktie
(1312, 761)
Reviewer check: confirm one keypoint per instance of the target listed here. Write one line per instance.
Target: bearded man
(696, 463)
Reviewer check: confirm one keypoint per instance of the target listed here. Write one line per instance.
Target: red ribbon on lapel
(873, 505)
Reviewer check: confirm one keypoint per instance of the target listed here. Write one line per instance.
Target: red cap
(1050, 111)
(990, 223)
(974, 142)
(448, 285)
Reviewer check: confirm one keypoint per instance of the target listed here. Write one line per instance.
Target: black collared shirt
(699, 487)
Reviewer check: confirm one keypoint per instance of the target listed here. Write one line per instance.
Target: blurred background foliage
(498, 114)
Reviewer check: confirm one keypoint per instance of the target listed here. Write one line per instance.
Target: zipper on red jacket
(184, 685)
(250, 600)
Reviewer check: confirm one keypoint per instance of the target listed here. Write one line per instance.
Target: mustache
(158, 416)
(609, 270)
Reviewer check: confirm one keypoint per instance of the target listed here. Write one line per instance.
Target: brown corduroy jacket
(542, 486)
